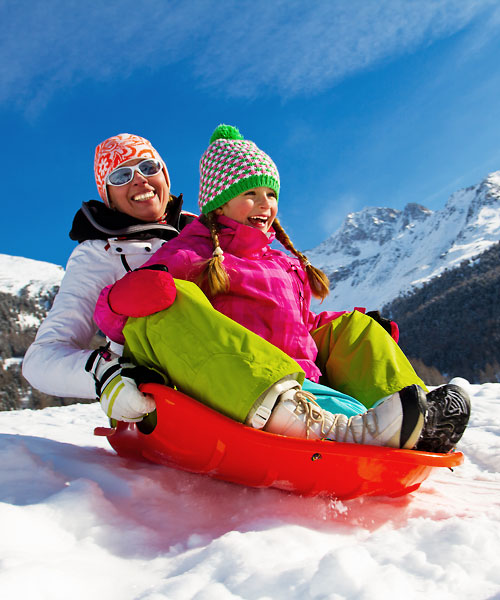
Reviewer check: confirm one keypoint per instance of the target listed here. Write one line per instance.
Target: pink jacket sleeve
(317, 320)
(110, 323)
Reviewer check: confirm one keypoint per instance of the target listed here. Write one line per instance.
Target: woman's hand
(117, 380)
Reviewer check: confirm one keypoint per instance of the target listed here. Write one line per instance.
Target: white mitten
(117, 381)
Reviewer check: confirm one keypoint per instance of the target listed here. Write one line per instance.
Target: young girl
(227, 253)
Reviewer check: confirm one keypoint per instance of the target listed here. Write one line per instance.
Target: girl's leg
(222, 364)
(358, 357)
(208, 356)
(332, 400)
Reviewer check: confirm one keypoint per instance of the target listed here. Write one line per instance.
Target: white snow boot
(396, 422)
(261, 410)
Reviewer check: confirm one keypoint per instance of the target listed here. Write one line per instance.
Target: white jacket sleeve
(55, 362)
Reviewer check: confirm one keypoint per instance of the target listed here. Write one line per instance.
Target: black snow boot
(448, 412)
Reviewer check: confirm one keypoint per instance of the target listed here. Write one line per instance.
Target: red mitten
(395, 331)
(390, 326)
(143, 292)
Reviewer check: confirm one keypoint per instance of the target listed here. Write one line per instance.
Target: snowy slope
(79, 522)
(380, 252)
(17, 272)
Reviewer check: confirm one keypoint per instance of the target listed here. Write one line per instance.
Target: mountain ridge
(380, 253)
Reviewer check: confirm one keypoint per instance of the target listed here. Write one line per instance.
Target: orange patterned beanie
(116, 150)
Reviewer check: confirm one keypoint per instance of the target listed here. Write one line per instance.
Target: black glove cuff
(385, 323)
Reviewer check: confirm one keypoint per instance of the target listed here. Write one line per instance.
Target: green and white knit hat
(232, 165)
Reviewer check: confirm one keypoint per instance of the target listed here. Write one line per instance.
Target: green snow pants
(358, 357)
(206, 355)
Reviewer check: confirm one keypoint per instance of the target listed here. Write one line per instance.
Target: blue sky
(359, 102)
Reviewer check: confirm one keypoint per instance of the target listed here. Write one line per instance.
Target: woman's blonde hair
(214, 279)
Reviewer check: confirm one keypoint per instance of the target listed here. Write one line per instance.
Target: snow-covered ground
(79, 522)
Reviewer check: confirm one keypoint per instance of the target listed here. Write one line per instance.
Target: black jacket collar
(95, 221)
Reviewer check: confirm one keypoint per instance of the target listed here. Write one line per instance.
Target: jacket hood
(95, 221)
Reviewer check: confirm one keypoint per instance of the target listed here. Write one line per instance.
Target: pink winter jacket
(269, 293)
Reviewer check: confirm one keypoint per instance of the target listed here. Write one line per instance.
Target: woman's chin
(147, 211)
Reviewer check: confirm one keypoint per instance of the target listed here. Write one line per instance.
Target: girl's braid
(320, 286)
(213, 278)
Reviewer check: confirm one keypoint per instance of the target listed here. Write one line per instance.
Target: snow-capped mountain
(17, 273)
(36, 281)
(378, 253)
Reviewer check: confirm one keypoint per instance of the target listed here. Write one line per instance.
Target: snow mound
(79, 521)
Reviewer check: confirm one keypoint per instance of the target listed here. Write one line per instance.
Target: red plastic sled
(195, 438)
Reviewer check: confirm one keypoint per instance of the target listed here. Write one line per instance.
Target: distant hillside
(27, 276)
(453, 322)
(27, 290)
(20, 316)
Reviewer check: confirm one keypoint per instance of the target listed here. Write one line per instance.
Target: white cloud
(245, 48)
(335, 211)
(294, 48)
(48, 47)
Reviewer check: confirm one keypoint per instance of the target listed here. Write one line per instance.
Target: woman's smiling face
(144, 198)
(256, 208)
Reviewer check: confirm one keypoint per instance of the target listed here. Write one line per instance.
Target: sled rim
(450, 459)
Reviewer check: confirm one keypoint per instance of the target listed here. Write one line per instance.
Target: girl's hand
(390, 326)
(143, 292)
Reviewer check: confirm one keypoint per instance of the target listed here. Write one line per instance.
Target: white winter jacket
(55, 362)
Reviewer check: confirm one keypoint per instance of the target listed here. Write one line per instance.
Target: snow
(8, 362)
(78, 521)
(17, 272)
(26, 320)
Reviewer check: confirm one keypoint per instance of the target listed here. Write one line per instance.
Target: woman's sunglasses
(124, 175)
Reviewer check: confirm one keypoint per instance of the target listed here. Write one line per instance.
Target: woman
(138, 214)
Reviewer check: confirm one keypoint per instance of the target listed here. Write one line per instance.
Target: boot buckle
(260, 417)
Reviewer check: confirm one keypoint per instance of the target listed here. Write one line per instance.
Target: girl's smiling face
(256, 208)
(144, 198)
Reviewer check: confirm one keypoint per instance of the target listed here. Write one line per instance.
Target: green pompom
(226, 132)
